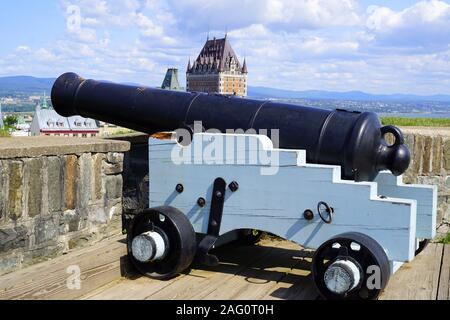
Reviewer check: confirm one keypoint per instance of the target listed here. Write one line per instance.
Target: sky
(376, 46)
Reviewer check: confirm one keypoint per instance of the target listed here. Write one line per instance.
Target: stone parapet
(57, 194)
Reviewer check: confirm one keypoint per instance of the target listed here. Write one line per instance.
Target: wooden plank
(298, 283)
(202, 280)
(260, 277)
(181, 287)
(444, 280)
(140, 288)
(99, 265)
(417, 280)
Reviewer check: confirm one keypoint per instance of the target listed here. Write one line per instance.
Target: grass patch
(416, 122)
(446, 239)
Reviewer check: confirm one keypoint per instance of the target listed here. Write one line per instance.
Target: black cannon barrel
(353, 140)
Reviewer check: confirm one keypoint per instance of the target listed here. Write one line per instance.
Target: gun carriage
(327, 180)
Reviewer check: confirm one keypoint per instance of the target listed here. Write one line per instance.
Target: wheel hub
(342, 276)
(148, 246)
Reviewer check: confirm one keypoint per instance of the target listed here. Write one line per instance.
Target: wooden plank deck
(273, 269)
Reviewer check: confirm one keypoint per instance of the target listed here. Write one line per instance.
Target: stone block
(417, 154)
(13, 238)
(447, 155)
(70, 182)
(409, 141)
(430, 180)
(114, 158)
(113, 187)
(71, 221)
(427, 156)
(84, 180)
(4, 186)
(112, 169)
(113, 164)
(15, 194)
(33, 185)
(97, 214)
(437, 155)
(46, 229)
(97, 193)
(55, 184)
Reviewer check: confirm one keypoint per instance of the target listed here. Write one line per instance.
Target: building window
(84, 135)
(75, 134)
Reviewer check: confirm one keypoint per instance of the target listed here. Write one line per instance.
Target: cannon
(336, 185)
(353, 140)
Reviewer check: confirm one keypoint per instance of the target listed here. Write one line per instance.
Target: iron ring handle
(328, 209)
(398, 135)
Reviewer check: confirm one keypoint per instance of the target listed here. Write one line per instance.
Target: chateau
(217, 70)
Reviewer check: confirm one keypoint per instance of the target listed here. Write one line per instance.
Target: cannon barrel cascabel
(353, 140)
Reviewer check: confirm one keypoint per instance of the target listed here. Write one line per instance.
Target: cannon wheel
(361, 251)
(179, 235)
(249, 236)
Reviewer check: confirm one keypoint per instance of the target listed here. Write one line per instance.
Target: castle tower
(217, 70)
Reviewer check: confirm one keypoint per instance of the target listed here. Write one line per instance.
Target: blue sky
(377, 46)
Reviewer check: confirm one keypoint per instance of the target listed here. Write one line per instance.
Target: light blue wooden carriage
(273, 198)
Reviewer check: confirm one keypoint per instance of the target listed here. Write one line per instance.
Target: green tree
(11, 122)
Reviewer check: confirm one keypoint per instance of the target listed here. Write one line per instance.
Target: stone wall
(430, 148)
(57, 194)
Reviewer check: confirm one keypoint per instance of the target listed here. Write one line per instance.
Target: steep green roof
(171, 80)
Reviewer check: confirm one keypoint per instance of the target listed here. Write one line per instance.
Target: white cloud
(148, 27)
(426, 24)
(282, 14)
(23, 49)
(45, 55)
(254, 31)
(303, 44)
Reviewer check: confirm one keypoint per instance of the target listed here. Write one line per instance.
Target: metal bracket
(215, 220)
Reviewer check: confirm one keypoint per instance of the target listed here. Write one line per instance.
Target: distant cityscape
(19, 102)
(217, 69)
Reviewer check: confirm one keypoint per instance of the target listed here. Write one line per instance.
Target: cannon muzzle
(354, 140)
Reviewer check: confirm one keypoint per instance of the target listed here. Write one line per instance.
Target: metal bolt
(201, 202)
(179, 188)
(308, 214)
(219, 194)
(233, 186)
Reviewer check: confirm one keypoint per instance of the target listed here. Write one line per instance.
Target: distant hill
(25, 84)
(264, 93)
